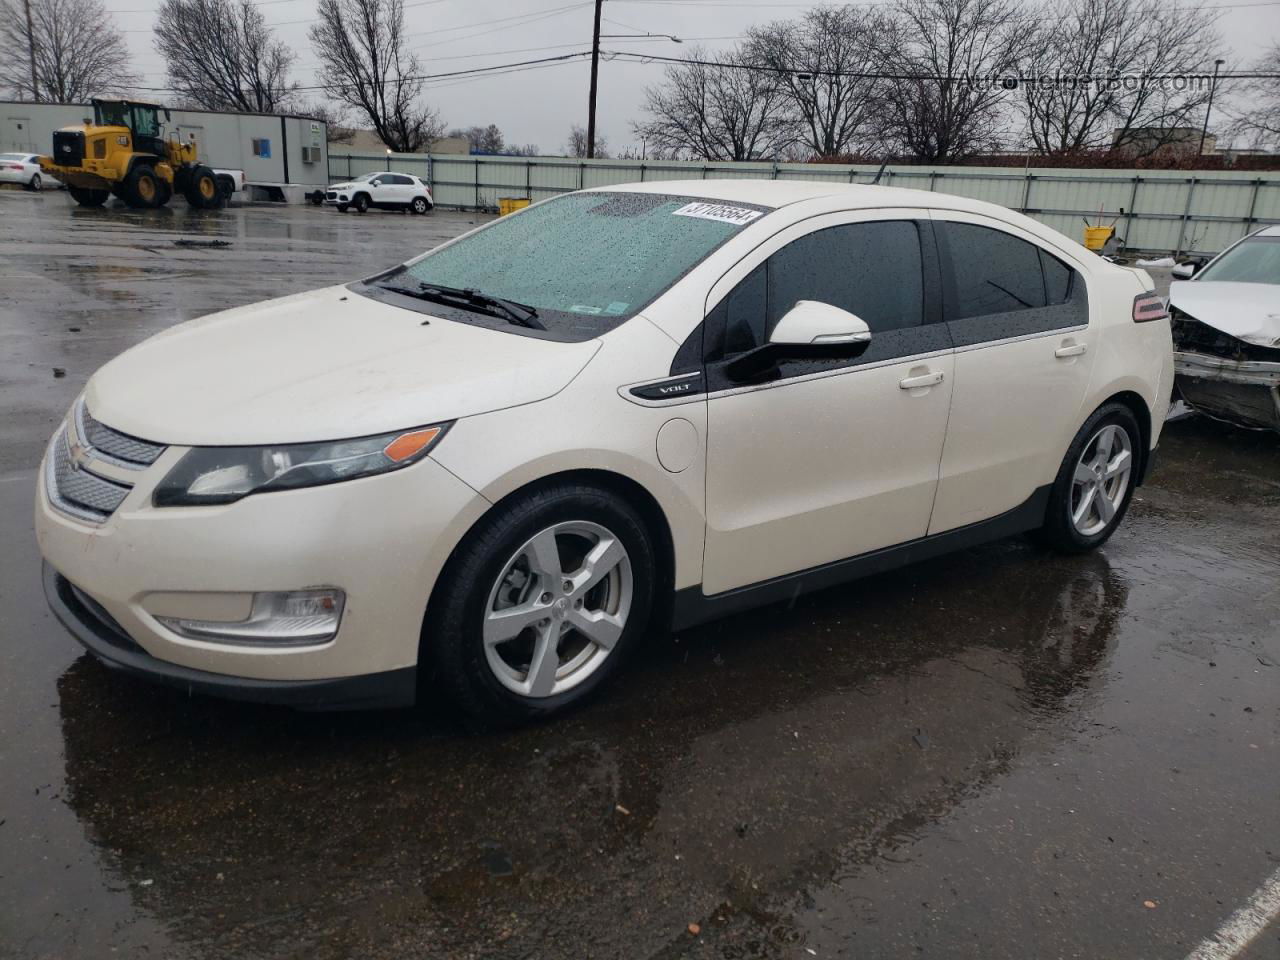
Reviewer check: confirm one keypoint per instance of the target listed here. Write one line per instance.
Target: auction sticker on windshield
(718, 211)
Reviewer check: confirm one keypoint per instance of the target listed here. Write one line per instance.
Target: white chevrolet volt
(489, 473)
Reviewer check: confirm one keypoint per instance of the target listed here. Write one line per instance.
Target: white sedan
(380, 191)
(1226, 332)
(490, 473)
(24, 168)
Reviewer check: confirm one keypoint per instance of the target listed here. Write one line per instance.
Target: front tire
(342, 208)
(1095, 483)
(87, 197)
(361, 203)
(540, 605)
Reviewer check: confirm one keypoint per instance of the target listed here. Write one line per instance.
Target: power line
(629, 56)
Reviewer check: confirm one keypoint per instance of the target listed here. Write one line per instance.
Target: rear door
(1018, 314)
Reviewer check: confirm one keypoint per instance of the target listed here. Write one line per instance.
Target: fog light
(296, 618)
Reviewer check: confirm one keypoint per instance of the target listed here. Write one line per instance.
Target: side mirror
(809, 330)
(812, 324)
(1185, 271)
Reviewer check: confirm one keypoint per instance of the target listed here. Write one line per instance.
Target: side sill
(691, 607)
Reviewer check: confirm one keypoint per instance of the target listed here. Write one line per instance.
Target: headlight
(209, 475)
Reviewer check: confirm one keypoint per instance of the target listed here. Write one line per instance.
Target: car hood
(324, 365)
(1246, 311)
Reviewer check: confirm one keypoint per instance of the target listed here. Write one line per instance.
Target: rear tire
(419, 205)
(202, 191)
(499, 568)
(361, 203)
(36, 184)
(1095, 483)
(141, 187)
(88, 198)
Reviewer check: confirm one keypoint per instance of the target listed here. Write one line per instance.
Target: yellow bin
(1095, 238)
(511, 205)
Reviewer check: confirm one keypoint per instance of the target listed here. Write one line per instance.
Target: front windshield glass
(112, 114)
(585, 259)
(363, 177)
(1254, 261)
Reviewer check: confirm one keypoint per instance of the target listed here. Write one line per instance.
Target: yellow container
(1095, 238)
(511, 205)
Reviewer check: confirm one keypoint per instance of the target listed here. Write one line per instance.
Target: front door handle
(1071, 350)
(924, 380)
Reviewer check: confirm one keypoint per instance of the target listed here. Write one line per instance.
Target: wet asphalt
(998, 754)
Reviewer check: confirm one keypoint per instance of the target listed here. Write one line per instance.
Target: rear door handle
(1072, 350)
(924, 380)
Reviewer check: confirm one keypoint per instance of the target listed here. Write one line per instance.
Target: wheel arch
(620, 485)
(1142, 413)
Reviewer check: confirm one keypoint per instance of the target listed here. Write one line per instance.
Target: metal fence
(1174, 210)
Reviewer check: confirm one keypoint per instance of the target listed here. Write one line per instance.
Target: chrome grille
(114, 446)
(75, 490)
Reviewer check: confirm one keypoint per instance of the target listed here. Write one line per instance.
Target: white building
(282, 156)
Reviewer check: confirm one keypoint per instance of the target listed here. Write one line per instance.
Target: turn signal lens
(409, 445)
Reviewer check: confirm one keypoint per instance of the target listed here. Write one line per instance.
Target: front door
(828, 459)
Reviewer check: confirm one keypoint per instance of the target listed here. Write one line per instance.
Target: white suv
(382, 191)
(489, 471)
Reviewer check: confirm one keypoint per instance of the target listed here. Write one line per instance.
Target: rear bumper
(108, 642)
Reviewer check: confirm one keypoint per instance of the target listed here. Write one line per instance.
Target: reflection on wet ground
(1002, 753)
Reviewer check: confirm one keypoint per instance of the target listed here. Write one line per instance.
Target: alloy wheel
(557, 609)
(1101, 480)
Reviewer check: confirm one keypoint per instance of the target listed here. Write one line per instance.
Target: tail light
(1148, 306)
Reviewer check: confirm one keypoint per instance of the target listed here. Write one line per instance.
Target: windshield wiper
(520, 314)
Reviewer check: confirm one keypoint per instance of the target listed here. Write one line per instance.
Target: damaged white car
(1226, 332)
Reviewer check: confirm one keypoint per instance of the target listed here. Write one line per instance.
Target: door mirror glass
(1185, 271)
(811, 323)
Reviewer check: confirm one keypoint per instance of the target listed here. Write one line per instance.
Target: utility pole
(1213, 85)
(31, 51)
(591, 97)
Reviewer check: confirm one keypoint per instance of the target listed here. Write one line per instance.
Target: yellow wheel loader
(123, 152)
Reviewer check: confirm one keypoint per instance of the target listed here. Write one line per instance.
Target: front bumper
(382, 540)
(98, 632)
(1245, 392)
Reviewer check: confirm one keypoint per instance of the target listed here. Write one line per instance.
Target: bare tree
(364, 63)
(482, 139)
(1124, 75)
(726, 109)
(1254, 111)
(79, 51)
(577, 144)
(221, 55)
(336, 117)
(818, 60)
(953, 62)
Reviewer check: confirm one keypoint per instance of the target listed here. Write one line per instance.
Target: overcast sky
(539, 105)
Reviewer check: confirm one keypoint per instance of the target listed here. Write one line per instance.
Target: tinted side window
(1057, 278)
(992, 271)
(402, 180)
(872, 270)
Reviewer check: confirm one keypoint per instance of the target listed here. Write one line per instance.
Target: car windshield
(1254, 261)
(584, 261)
(363, 177)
